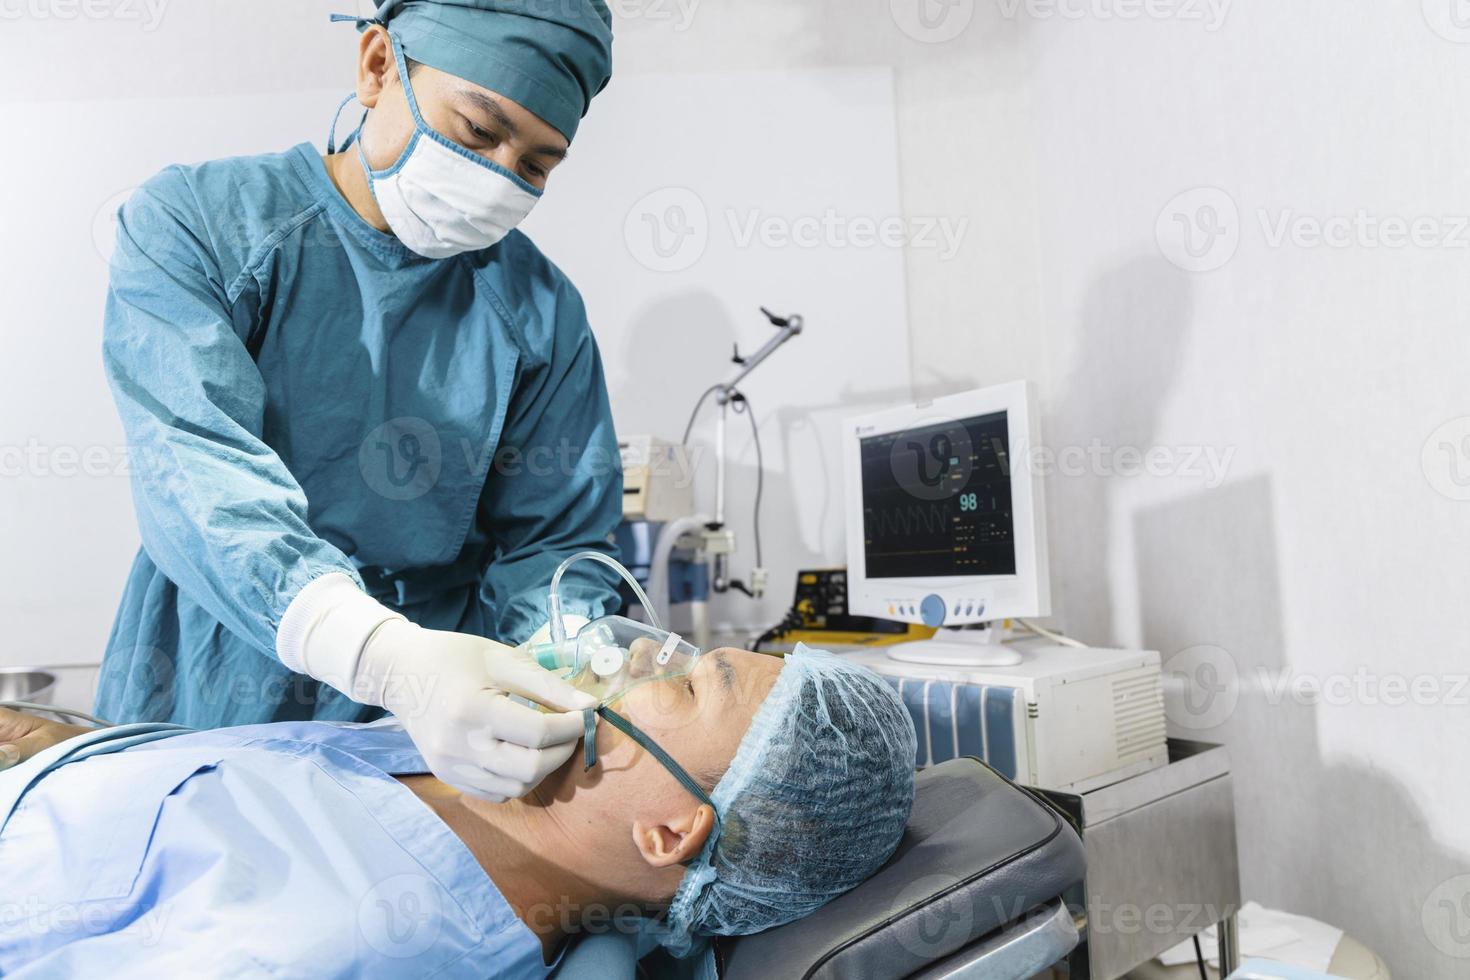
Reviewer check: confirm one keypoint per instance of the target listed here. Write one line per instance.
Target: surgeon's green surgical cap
(551, 56)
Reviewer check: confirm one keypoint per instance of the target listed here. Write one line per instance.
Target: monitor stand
(952, 647)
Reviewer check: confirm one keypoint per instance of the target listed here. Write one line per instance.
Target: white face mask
(439, 198)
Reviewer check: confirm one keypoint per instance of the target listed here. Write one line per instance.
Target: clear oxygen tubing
(663, 550)
(553, 597)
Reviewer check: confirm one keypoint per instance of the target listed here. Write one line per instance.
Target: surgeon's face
(481, 121)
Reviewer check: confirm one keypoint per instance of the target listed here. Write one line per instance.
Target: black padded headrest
(979, 852)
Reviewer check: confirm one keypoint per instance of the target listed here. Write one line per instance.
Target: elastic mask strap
(589, 749)
(332, 146)
(401, 60)
(589, 738)
(361, 22)
(367, 169)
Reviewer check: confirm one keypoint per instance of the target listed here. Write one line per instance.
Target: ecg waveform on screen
(915, 518)
(937, 500)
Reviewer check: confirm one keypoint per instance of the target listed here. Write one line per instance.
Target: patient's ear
(664, 845)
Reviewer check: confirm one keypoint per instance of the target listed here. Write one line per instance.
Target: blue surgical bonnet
(551, 56)
(815, 801)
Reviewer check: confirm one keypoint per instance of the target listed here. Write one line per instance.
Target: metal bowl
(27, 684)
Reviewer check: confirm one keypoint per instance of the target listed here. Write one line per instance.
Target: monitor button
(932, 610)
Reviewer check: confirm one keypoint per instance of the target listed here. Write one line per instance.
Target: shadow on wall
(1339, 842)
(931, 383)
(920, 34)
(978, 40)
(810, 446)
(803, 503)
(674, 349)
(1132, 342)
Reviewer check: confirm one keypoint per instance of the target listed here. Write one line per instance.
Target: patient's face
(699, 719)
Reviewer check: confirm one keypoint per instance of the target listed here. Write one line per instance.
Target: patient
(315, 848)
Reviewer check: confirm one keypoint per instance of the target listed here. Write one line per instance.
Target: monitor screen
(937, 500)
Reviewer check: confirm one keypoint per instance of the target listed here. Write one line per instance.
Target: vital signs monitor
(946, 520)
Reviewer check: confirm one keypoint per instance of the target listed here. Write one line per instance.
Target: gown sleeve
(218, 511)
(556, 487)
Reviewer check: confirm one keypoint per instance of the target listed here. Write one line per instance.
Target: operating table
(975, 891)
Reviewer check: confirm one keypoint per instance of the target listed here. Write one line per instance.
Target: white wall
(1326, 554)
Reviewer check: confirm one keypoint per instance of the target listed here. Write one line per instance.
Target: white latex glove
(450, 690)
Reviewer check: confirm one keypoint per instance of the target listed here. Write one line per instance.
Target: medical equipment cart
(1162, 863)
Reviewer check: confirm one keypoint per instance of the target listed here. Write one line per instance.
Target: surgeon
(366, 416)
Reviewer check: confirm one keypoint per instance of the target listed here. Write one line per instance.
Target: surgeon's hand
(451, 692)
(23, 735)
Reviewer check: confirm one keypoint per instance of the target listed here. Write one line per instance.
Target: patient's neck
(532, 860)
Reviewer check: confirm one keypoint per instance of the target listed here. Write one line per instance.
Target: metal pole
(1229, 945)
(720, 460)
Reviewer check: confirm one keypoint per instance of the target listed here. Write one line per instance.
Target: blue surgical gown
(302, 395)
(283, 850)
